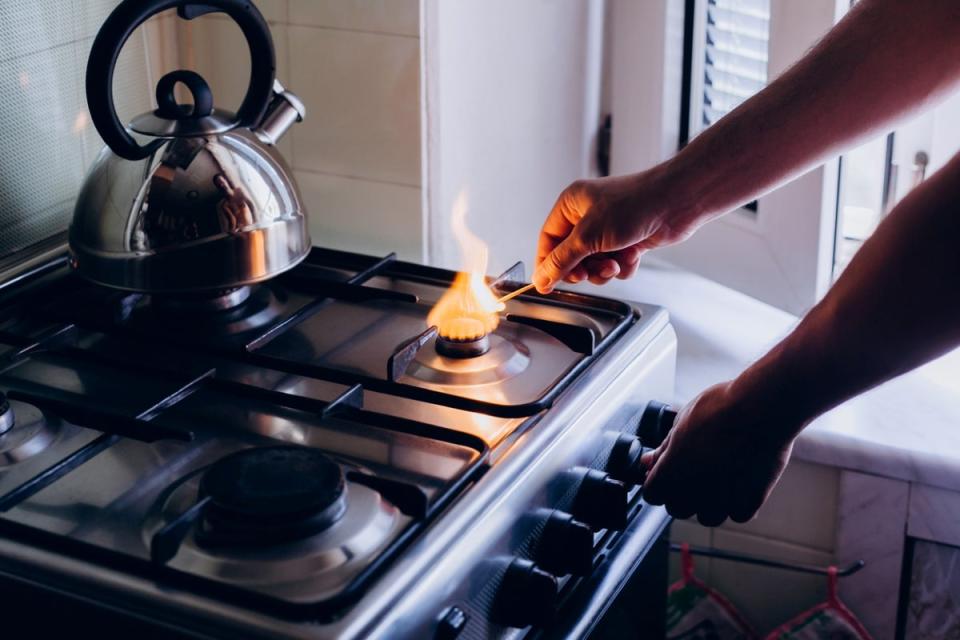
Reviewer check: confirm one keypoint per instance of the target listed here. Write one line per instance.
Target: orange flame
(468, 309)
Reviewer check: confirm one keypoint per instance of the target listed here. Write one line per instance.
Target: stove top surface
(162, 433)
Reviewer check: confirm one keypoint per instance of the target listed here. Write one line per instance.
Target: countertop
(908, 428)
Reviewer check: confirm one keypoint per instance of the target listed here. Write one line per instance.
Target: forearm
(885, 58)
(895, 307)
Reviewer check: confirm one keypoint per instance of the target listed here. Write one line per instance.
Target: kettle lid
(173, 120)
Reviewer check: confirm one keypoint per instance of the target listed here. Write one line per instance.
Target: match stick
(515, 293)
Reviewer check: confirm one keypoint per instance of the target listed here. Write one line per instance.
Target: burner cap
(469, 348)
(271, 494)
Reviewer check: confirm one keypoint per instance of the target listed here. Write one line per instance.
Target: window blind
(736, 53)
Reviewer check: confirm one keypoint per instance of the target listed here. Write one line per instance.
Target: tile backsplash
(356, 156)
(48, 141)
(355, 63)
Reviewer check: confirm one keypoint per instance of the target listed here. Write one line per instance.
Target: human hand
(598, 229)
(721, 459)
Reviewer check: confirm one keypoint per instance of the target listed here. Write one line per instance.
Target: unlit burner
(222, 300)
(463, 338)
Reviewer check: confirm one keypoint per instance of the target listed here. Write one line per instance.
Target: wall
(512, 109)
(48, 142)
(356, 65)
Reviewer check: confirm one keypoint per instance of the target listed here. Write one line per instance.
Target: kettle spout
(284, 111)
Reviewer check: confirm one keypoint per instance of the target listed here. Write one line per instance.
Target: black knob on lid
(565, 546)
(624, 461)
(601, 501)
(655, 423)
(527, 595)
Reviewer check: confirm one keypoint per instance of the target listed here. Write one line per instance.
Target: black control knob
(527, 595)
(601, 501)
(655, 423)
(565, 546)
(624, 461)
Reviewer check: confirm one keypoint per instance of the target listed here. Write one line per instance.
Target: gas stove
(307, 458)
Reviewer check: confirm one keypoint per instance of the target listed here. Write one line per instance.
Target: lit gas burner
(463, 348)
(468, 311)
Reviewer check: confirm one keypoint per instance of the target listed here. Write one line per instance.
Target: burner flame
(468, 310)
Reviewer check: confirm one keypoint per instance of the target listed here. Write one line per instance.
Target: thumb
(649, 461)
(560, 262)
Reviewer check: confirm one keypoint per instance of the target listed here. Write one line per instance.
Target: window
(735, 41)
(782, 251)
(730, 39)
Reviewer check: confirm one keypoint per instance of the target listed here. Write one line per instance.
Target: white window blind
(736, 51)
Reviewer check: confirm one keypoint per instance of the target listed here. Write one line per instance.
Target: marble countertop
(908, 428)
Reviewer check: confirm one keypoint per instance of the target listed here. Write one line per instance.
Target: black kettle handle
(125, 19)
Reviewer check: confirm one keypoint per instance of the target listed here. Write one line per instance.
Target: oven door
(626, 595)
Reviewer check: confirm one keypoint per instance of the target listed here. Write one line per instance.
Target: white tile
(160, 35)
(217, 50)
(802, 508)
(400, 17)
(42, 166)
(933, 610)
(767, 596)
(934, 514)
(870, 527)
(31, 27)
(363, 216)
(273, 10)
(363, 100)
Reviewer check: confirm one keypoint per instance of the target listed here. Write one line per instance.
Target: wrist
(770, 390)
(682, 202)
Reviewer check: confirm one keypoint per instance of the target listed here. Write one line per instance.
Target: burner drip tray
(450, 363)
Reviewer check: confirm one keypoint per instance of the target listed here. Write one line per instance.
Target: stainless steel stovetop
(297, 459)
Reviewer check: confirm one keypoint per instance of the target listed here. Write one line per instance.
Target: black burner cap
(272, 494)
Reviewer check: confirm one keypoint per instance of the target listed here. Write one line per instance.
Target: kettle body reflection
(207, 203)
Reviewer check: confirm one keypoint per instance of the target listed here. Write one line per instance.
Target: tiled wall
(356, 65)
(48, 142)
(797, 524)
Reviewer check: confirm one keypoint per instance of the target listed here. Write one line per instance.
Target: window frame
(783, 253)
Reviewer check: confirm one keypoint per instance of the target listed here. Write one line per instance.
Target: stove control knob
(565, 546)
(527, 595)
(655, 423)
(601, 501)
(623, 464)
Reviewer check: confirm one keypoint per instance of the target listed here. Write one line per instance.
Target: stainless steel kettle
(206, 203)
